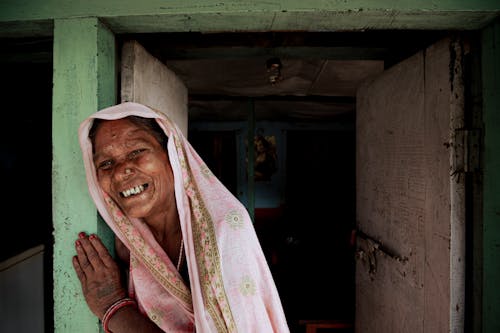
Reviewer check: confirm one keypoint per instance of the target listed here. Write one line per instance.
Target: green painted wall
(84, 81)
(40, 9)
(121, 16)
(491, 208)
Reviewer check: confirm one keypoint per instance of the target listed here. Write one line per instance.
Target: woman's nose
(124, 171)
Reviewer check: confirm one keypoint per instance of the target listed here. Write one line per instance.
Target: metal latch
(368, 250)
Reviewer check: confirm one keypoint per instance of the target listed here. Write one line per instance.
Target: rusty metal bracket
(372, 246)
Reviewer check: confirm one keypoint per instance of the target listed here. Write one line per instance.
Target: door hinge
(467, 148)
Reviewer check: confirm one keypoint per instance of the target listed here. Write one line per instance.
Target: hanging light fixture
(274, 69)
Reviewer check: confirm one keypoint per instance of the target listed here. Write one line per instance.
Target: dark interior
(26, 159)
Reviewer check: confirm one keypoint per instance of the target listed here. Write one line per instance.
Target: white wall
(21, 293)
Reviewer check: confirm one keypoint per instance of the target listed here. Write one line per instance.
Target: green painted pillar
(491, 195)
(84, 81)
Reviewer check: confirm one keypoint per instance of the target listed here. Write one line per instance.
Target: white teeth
(132, 191)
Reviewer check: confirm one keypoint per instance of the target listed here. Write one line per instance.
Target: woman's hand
(98, 273)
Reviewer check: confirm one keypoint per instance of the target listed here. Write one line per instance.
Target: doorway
(298, 122)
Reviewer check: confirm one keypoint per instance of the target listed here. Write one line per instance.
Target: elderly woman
(194, 261)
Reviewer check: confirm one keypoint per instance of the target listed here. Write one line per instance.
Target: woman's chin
(135, 209)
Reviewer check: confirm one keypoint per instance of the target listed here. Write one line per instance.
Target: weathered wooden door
(146, 80)
(410, 192)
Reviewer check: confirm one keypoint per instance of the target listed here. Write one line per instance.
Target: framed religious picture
(265, 157)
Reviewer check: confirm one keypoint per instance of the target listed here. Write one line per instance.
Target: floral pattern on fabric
(247, 286)
(207, 254)
(235, 219)
(205, 171)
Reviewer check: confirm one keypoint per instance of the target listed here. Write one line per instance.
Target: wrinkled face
(132, 168)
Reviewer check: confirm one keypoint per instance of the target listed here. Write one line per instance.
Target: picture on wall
(265, 157)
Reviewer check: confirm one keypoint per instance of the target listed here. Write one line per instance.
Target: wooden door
(146, 80)
(410, 192)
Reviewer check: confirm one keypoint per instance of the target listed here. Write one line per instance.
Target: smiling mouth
(134, 190)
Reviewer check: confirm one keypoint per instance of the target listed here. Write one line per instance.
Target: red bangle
(113, 309)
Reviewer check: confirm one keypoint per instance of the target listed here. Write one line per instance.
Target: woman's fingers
(87, 254)
(78, 269)
(83, 259)
(92, 254)
(102, 251)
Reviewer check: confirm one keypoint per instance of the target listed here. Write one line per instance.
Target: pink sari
(231, 287)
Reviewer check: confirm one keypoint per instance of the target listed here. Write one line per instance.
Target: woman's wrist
(113, 309)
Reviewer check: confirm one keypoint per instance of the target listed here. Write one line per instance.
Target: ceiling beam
(147, 16)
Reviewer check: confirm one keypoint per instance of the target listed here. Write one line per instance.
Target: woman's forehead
(121, 132)
(118, 128)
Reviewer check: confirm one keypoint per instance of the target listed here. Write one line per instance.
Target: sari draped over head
(231, 287)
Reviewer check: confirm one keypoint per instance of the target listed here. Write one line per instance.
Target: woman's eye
(135, 153)
(105, 165)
